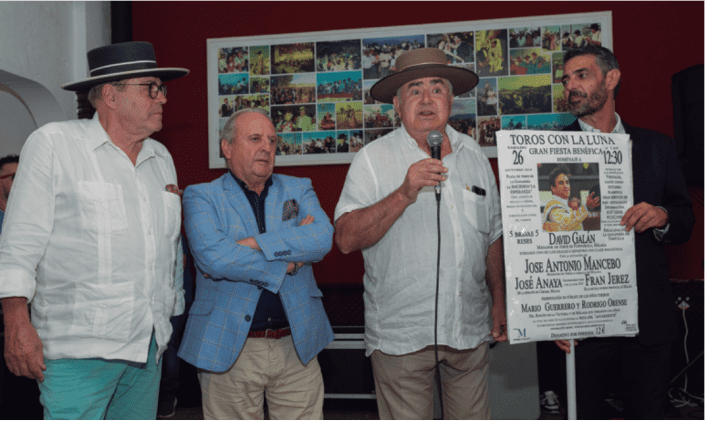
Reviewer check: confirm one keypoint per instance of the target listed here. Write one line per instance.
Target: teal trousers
(101, 389)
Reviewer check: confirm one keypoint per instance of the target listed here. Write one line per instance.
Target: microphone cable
(435, 325)
(435, 139)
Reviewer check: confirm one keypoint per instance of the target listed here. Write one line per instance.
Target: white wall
(47, 41)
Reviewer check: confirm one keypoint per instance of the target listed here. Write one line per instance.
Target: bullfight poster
(570, 264)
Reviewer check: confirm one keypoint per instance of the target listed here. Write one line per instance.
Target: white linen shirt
(400, 269)
(90, 239)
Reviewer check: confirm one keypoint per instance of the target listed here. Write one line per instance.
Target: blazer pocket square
(291, 210)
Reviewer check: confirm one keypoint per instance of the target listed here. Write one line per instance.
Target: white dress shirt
(400, 269)
(90, 239)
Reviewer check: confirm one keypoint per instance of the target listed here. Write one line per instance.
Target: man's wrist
(665, 225)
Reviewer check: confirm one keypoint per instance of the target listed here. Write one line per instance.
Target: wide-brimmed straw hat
(423, 63)
(126, 60)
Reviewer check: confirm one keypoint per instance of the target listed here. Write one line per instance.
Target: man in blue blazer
(662, 214)
(257, 322)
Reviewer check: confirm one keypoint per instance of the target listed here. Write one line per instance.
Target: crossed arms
(224, 249)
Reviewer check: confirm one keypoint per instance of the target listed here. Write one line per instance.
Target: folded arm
(300, 242)
(259, 257)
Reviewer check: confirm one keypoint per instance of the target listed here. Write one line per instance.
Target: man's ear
(612, 79)
(225, 148)
(108, 93)
(396, 103)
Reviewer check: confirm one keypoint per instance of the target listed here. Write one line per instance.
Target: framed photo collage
(315, 86)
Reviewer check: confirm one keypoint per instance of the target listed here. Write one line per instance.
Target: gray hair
(450, 88)
(96, 92)
(229, 131)
(604, 58)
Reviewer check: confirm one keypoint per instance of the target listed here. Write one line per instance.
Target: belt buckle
(269, 330)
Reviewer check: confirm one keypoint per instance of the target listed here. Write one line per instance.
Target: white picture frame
(302, 78)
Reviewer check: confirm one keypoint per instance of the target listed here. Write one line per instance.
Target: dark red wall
(652, 40)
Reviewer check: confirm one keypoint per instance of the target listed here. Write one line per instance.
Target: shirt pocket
(100, 203)
(477, 210)
(103, 311)
(172, 215)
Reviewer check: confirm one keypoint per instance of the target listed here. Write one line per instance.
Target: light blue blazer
(217, 215)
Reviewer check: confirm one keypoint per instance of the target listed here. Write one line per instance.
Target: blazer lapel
(574, 127)
(238, 201)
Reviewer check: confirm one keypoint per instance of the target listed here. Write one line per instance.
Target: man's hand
(564, 345)
(174, 189)
(499, 323)
(423, 173)
(308, 220)
(23, 349)
(644, 216)
(592, 201)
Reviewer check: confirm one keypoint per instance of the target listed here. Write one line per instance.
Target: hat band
(411, 66)
(123, 67)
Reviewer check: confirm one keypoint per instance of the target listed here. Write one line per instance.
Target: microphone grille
(434, 138)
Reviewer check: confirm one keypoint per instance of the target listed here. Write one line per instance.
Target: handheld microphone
(434, 140)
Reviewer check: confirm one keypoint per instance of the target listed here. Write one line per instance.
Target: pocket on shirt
(103, 311)
(477, 210)
(100, 203)
(172, 211)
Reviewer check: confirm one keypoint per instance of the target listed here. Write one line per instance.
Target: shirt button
(247, 318)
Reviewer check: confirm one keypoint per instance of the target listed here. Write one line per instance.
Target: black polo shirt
(270, 311)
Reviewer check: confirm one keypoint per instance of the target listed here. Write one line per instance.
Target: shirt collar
(455, 141)
(246, 189)
(561, 200)
(99, 137)
(618, 128)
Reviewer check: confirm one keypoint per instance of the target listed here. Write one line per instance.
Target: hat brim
(165, 74)
(463, 80)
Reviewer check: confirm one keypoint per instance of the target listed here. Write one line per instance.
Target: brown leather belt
(276, 334)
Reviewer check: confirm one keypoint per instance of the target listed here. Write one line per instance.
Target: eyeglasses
(11, 176)
(154, 88)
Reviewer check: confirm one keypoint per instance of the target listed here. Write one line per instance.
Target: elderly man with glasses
(90, 240)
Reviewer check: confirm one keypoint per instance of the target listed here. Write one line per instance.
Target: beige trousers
(404, 383)
(265, 368)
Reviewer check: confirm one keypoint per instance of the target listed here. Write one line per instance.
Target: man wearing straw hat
(90, 239)
(388, 210)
